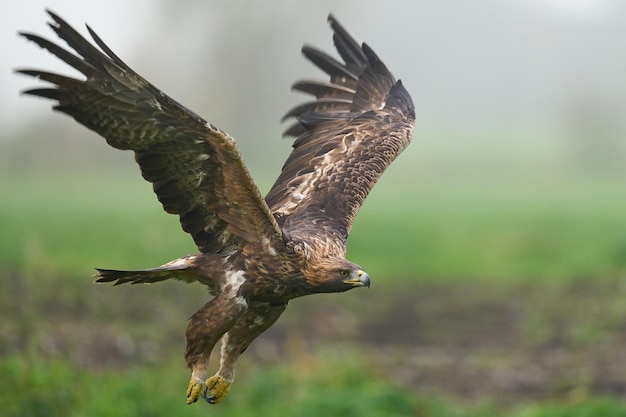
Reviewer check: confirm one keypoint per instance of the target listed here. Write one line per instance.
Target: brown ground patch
(469, 340)
(502, 342)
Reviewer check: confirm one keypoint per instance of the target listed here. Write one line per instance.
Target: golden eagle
(255, 254)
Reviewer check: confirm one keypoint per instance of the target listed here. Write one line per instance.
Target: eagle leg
(205, 329)
(258, 318)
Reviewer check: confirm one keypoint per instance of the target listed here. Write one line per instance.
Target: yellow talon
(213, 390)
(218, 386)
(193, 390)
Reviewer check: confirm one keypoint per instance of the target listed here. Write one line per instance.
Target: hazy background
(521, 88)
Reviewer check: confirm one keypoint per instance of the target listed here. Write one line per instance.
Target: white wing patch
(268, 247)
(234, 280)
(323, 168)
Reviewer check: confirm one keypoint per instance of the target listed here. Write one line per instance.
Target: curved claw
(194, 389)
(209, 398)
(218, 388)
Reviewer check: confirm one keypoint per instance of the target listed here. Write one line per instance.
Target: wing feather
(359, 123)
(322, 89)
(196, 169)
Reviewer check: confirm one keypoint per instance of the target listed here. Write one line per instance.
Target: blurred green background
(496, 243)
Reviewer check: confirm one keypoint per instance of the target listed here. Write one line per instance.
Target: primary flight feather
(255, 253)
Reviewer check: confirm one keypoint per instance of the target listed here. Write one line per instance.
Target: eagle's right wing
(196, 169)
(360, 121)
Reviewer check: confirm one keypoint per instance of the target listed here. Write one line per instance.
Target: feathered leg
(258, 318)
(205, 328)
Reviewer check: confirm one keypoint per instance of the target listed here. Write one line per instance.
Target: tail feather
(179, 269)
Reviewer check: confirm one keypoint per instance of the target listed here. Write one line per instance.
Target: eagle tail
(180, 269)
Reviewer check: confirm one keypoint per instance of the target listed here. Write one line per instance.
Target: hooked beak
(359, 279)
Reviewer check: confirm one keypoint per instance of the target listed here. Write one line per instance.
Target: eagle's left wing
(359, 123)
(196, 169)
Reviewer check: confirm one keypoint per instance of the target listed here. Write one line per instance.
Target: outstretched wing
(359, 123)
(196, 169)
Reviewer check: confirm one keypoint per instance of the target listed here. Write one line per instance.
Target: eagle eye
(345, 273)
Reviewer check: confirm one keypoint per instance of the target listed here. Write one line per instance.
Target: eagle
(255, 254)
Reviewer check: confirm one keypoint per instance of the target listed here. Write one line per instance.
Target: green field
(520, 233)
(498, 301)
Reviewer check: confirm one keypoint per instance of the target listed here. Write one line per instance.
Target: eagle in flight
(255, 254)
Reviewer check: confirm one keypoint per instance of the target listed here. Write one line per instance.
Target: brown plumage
(255, 254)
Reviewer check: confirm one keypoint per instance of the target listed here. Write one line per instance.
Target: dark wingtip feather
(53, 15)
(59, 52)
(29, 72)
(51, 93)
(321, 89)
(60, 24)
(295, 130)
(327, 63)
(30, 36)
(347, 47)
(323, 104)
(373, 59)
(106, 49)
(400, 98)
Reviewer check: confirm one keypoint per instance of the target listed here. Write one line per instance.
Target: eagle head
(354, 277)
(339, 276)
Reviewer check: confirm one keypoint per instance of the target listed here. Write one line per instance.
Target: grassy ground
(518, 234)
(484, 303)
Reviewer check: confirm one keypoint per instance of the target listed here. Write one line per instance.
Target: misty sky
(484, 59)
